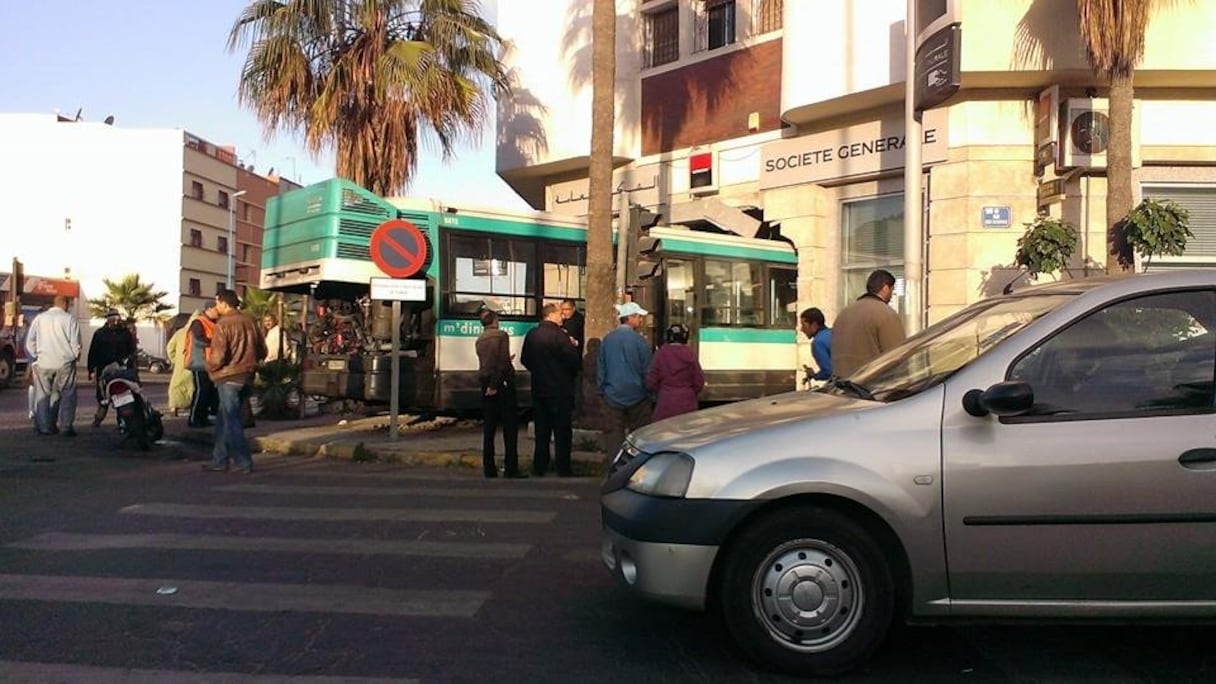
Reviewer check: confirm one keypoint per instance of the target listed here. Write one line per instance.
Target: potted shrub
(1157, 228)
(1047, 246)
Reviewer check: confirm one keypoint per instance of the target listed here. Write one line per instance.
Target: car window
(1146, 355)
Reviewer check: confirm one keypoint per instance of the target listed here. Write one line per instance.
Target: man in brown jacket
(867, 328)
(496, 374)
(236, 349)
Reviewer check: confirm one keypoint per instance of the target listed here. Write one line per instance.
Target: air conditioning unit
(1084, 133)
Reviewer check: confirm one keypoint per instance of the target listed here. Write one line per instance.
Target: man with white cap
(622, 365)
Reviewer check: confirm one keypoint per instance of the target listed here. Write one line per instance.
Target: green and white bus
(737, 295)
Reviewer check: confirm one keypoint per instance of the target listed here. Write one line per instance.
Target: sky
(165, 64)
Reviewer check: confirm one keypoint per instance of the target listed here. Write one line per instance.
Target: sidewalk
(443, 441)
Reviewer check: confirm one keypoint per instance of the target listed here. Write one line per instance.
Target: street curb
(583, 463)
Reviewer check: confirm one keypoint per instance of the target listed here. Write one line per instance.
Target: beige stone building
(797, 110)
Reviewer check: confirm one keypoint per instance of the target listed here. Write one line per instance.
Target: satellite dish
(109, 120)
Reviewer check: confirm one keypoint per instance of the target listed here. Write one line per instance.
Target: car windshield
(927, 359)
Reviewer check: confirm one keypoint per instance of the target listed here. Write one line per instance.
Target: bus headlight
(664, 474)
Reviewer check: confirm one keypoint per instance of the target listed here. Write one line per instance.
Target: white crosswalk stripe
(365, 514)
(465, 493)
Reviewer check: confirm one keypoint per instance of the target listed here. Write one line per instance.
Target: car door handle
(1199, 458)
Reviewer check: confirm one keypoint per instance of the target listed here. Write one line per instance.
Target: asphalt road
(121, 567)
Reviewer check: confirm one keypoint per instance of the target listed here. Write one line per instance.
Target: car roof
(1129, 284)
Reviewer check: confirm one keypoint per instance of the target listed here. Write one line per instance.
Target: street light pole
(232, 234)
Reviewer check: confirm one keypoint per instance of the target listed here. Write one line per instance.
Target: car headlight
(664, 474)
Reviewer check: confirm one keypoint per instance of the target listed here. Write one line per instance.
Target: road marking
(63, 541)
(40, 673)
(338, 514)
(485, 493)
(239, 596)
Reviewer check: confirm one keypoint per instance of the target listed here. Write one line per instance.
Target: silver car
(1045, 454)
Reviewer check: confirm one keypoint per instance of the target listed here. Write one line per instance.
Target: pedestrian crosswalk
(420, 547)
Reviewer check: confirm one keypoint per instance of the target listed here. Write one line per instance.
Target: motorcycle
(136, 417)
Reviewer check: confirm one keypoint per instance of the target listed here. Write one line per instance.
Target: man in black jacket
(112, 343)
(496, 373)
(553, 359)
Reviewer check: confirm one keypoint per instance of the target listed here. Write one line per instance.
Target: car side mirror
(1008, 398)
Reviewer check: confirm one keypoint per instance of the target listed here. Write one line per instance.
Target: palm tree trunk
(600, 283)
(1119, 191)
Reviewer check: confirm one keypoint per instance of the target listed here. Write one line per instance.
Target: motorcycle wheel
(156, 427)
(137, 427)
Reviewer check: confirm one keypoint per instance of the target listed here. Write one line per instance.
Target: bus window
(681, 293)
(493, 273)
(735, 293)
(783, 297)
(564, 269)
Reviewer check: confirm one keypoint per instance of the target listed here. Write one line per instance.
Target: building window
(223, 200)
(873, 237)
(219, 286)
(247, 253)
(196, 237)
(662, 36)
(766, 15)
(244, 211)
(714, 24)
(221, 244)
(1200, 204)
(196, 189)
(195, 287)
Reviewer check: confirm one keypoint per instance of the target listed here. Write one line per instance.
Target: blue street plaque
(996, 217)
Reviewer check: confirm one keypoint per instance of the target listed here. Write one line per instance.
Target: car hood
(690, 430)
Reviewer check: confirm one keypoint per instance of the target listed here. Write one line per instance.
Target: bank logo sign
(861, 150)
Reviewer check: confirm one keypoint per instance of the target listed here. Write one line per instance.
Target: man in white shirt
(53, 342)
(276, 339)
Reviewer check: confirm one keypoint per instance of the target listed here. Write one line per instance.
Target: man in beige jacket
(867, 328)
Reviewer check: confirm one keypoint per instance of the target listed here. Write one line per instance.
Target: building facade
(788, 118)
(89, 202)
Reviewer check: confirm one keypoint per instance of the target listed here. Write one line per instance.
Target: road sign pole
(395, 385)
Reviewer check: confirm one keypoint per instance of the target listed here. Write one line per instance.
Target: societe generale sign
(860, 150)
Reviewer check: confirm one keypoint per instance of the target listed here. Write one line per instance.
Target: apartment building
(90, 201)
(787, 118)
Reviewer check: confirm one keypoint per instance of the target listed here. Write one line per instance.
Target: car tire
(807, 591)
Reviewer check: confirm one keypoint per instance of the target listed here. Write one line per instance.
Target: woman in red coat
(675, 376)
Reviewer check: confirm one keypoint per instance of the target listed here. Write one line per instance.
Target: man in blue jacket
(622, 365)
(813, 325)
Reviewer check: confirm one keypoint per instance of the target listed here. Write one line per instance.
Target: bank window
(734, 294)
(491, 272)
(1200, 204)
(872, 237)
(783, 297)
(714, 24)
(662, 36)
(766, 15)
(564, 272)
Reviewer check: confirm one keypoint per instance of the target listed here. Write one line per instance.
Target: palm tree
(363, 77)
(600, 279)
(1112, 32)
(134, 299)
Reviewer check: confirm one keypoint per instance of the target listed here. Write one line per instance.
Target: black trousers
(554, 419)
(500, 409)
(205, 400)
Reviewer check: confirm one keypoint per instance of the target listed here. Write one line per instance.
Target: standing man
(199, 334)
(867, 328)
(496, 373)
(573, 323)
(112, 343)
(236, 350)
(552, 357)
(53, 342)
(813, 325)
(276, 340)
(623, 363)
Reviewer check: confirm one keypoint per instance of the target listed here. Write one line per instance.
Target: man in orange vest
(194, 357)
